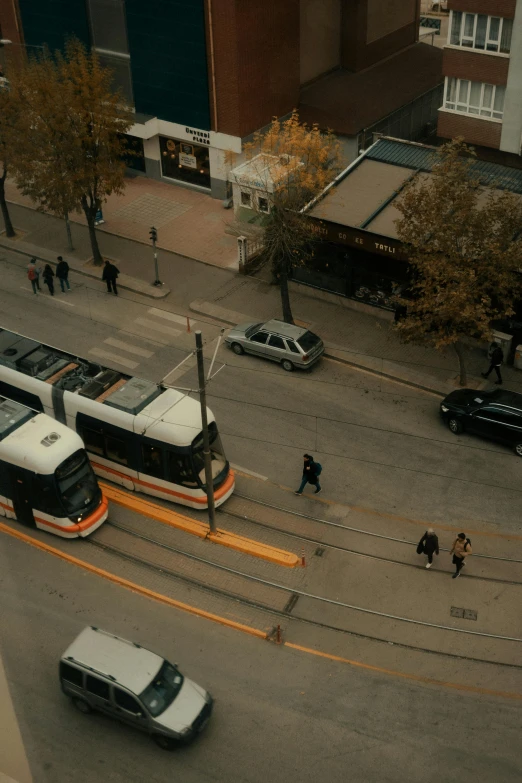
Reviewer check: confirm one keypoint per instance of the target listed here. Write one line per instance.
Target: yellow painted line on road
(135, 588)
(394, 517)
(170, 517)
(258, 633)
(414, 677)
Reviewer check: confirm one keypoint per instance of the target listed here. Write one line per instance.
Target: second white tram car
(137, 434)
(46, 479)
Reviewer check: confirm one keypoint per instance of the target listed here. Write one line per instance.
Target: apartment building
(482, 66)
(203, 75)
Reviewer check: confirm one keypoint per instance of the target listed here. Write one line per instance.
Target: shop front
(354, 263)
(186, 161)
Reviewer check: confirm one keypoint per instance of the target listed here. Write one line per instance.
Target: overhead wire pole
(206, 440)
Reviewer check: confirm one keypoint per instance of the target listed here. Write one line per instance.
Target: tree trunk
(70, 246)
(459, 350)
(285, 293)
(90, 214)
(9, 230)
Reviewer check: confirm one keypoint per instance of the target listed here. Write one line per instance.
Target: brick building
(203, 75)
(482, 66)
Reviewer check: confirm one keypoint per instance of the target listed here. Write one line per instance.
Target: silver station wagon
(291, 346)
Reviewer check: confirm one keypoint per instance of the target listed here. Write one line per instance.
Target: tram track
(293, 596)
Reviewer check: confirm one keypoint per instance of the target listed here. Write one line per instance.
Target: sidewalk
(214, 289)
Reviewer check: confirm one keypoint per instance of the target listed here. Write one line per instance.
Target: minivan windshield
(308, 341)
(162, 690)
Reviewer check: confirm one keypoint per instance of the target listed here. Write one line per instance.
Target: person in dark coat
(429, 545)
(62, 273)
(310, 475)
(48, 275)
(110, 273)
(497, 357)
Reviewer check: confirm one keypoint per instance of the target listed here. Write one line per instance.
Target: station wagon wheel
(82, 705)
(518, 449)
(287, 365)
(238, 349)
(165, 743)
(455, 426)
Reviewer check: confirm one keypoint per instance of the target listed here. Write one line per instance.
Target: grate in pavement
(466, 614)
(151, 210)
(291, 603)
(319, 552)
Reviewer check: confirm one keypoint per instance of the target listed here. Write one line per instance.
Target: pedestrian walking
(429, 545)
(110, 273)
(33, 274)
(48, 275)
(62, 273)
(497, 357)
(311, 472)
(460, 550)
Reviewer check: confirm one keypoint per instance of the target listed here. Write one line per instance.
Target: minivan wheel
(455, 426)
(518, 449)
(238, 349)
(287, 365)
(165, 743)
(82, 705)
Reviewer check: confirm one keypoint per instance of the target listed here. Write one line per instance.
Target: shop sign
(198, 136)
(189, 161)
(364, 240)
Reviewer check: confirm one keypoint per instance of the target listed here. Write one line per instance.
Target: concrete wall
(485, 133)
(320, 37)
(512, 123)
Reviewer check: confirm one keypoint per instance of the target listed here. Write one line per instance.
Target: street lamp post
(206, 440)
(153, 233)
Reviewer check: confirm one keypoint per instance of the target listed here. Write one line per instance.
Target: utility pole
(206, 441)
(154, 238)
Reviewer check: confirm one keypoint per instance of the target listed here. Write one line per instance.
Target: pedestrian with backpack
(110, 273)
(311, 472)
(460, 550)
(33, 274)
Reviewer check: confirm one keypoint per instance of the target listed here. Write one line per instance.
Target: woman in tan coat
(460, 550)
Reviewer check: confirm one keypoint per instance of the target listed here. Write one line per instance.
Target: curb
(195, 528)
(44, 255)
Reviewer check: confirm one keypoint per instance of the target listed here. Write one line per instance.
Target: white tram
(137, 434)
(46, 480)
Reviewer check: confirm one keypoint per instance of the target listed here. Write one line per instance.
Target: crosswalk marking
(113, 358)
(129, 348)
(179, 319)
(157, 327)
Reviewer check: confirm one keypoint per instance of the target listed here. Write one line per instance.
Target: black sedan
(495, 414)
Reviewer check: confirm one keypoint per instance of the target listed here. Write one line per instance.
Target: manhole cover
(456, 611)
(470, 614)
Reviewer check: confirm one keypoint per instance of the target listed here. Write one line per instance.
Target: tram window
(116, 450)
(71, 674)
(93, 440)
(152, 461)
(125, 701)
(181, 470)
(97, 687)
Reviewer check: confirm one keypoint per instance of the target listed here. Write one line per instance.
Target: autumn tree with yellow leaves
(294, 164)
(464, 246)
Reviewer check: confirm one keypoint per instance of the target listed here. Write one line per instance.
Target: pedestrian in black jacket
(429, 544)
(497, 358)
(110, 273)
(62, 273)
(311, 471)
(48, 275)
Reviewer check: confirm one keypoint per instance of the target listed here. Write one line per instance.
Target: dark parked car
(495, 414)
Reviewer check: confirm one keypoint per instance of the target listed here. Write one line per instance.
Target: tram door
(21, 496)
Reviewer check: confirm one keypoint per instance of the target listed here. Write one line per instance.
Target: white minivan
(105, 673)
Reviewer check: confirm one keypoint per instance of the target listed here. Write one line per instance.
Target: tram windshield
(219, 461)
(77, 483)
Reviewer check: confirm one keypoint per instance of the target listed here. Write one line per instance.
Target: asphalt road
(280, 714)
(381, 444)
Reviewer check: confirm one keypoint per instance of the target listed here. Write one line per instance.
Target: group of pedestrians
(461, 549)
(34, 272)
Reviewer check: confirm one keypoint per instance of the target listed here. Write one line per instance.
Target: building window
(263, 205)
(478, 31)
(486, 100)
(109, 39)
(185, 161)
(246, 199)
